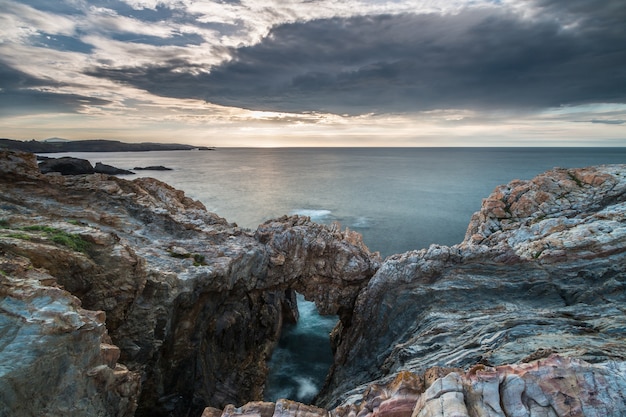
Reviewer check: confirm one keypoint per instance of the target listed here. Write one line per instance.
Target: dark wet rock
(153, 168)
(66, 166)
(101, 168)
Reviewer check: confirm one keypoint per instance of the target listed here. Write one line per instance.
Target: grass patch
(72, 241)
(69, 240)
(22, 236)
(4, 223)
(39, 228)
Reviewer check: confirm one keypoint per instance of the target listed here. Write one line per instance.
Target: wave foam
(362, 223)
(307, 389)
(313, 214)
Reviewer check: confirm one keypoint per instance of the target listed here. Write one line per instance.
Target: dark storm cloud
(570, 53)
(24, 94)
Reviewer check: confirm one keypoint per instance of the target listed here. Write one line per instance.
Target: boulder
(66, 166)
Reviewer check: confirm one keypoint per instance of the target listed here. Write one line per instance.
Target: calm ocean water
(398, 199)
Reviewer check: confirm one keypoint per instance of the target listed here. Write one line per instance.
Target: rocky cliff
(525, 317)
(194, 304)
(542, 270)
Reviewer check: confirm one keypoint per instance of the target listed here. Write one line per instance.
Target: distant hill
(96, 145)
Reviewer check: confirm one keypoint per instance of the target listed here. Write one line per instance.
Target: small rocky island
(124, 298)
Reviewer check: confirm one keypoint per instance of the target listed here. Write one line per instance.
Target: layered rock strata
(195, 304)
(57, 358)
(542, 270)
(551, 387)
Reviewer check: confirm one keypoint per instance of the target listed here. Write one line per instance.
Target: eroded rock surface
(56, 358)
(542, 270)
(551, 387)
(194, 303)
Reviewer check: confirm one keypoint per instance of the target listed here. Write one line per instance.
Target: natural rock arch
(326, 265)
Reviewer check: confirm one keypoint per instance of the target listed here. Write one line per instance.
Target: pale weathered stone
(51, 355)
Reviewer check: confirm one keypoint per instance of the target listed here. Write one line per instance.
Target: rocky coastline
(128, 298)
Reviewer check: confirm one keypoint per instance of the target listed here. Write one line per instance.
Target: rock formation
(77, 166)
(525, 317)
(550, 387)
(195, 304)
(66, 166)
(542, 270)
(101, 168)
(475, 329)
(153, 168)
(56, 357)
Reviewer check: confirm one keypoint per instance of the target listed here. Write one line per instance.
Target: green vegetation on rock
(58, 236)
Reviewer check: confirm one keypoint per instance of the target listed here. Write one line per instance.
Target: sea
(399, 199)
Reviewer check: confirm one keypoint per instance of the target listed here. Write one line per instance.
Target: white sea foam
(306, 388)
(362, 223)
(312, 213)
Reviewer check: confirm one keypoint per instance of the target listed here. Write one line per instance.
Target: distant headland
(94, 145)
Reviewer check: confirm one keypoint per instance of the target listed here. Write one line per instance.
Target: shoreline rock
(194, 303)
(101, 168)
(56, 355)
(542, 269)
(153, 168)
(76, 166)
(524, 316)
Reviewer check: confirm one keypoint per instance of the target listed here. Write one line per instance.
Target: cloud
(321, 68)
(608, 122)
(486, 58)
(21, 93)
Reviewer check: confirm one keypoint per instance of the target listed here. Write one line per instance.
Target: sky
(315, 72)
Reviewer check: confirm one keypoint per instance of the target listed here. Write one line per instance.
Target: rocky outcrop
(101, 168)
(77, 166)
(66, 166)
(153, 168)
(331, 259)
(542, 270)
(524, 317)
(195, 304)
(57, 358)
(553, 387)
